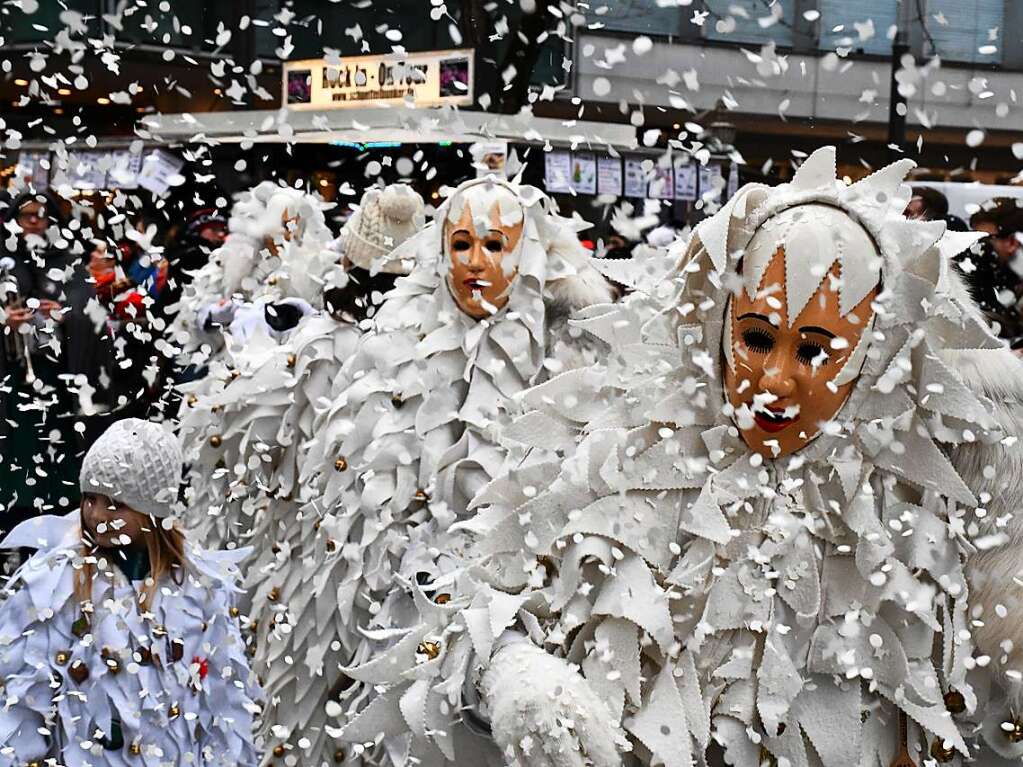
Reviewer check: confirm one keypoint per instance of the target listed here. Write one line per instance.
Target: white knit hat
(385, 219)
(137, 463)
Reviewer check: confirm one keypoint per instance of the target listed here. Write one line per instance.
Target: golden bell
(339, 755)
(215, 440)
(1015, 735)
(159, 631)
(272, 281)
(235, 374)
(340, 464)
(62, 657)
(767, 759)
(174, 712)
(234, 612)
(442, 599)
(110, 659)
(331, 545)
(397, 401)
(192, 399)
(422, 496)
(430, 649)
(954, 702)
(145, 656)
(292, 359)
(135, 749)
(78, 671)
(274, 595)
(939, 753)
(177, 650)
(278, 750)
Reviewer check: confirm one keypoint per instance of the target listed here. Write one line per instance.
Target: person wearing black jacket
(40, 468)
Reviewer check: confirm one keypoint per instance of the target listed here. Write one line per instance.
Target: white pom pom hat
(137, 463)
(385, 219)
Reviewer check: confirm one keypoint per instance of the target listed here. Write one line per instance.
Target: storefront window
(967, 30)
(864, 27)
(750, 21)
(654, 17)
(45, 23)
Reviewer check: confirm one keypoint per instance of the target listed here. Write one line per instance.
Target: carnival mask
(786, 377)
(480, 249)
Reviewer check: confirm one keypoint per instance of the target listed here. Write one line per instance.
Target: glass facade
(752, 22)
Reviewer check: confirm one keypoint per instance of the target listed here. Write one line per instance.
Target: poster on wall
(558, 172)
(124, 169)
(635, 178)
(711, 182)
(609, 176)
(584, 173)
(685, 181)
(662, 186)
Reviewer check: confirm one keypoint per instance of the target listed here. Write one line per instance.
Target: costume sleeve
(32, 638)
(227, 691)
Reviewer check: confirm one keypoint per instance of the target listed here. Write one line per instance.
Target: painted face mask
(480, 249)
(799, 337)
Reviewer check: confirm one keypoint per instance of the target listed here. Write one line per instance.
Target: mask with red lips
(787, 376)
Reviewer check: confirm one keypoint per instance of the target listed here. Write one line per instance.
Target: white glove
(543, 714)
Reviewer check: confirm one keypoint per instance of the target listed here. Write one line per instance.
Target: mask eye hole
(460, 246)
(757, 340)
(810, 353)
(494, 245)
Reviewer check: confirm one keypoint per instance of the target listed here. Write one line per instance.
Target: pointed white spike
(880, 187)
(912, 238)
(818, 170)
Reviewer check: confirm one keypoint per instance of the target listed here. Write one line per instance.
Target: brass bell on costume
(339, 755)
(111, 661)
(430, 649)
(955, 703)
(135, 749)
(215, 440)
(278, 751)
(174, 711)
(234, 612)
(78, 671)
(442, 599)
(1015, 733)
(274, 595)
(62, 657)
(939, 753)
(340, 464)
(292, 359)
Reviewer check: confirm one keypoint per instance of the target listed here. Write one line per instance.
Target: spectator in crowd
(37, 411)
(995, 275)
(927, 204)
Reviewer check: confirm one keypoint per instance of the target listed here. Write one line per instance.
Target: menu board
(584, 173)
(662, 183)
(609, 176)
(635, 178)
(685, 181)
(558, 172)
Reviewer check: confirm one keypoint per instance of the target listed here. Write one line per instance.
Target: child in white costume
(711, 580)
(413, 429)
(118, 642)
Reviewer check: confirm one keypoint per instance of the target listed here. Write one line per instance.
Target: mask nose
(777, 381)
(477, 258)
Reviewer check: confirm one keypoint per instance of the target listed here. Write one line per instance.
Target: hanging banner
(685, 181)
(635, 178)
(558, 172)
(431, 78)
(609, 176)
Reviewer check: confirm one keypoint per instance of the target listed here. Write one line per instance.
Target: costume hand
(544, 714)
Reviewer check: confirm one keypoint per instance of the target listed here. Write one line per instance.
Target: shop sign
(432, 78)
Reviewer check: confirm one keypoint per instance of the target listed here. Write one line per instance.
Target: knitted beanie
(385, 219)
(137, 463)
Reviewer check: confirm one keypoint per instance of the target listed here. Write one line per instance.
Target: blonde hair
(166, 549)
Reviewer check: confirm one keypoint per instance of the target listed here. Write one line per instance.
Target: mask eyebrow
(755, 316)
(816, 329)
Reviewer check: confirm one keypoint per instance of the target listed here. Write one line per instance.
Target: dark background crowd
(90, 285)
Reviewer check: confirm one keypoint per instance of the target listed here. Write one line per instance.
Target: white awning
(384, 124)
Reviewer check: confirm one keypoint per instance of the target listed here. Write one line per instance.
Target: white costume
(412, 434)
(669, 594)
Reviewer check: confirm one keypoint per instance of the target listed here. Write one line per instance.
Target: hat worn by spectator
(384, 220)
(202, 218)
(137, 463)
